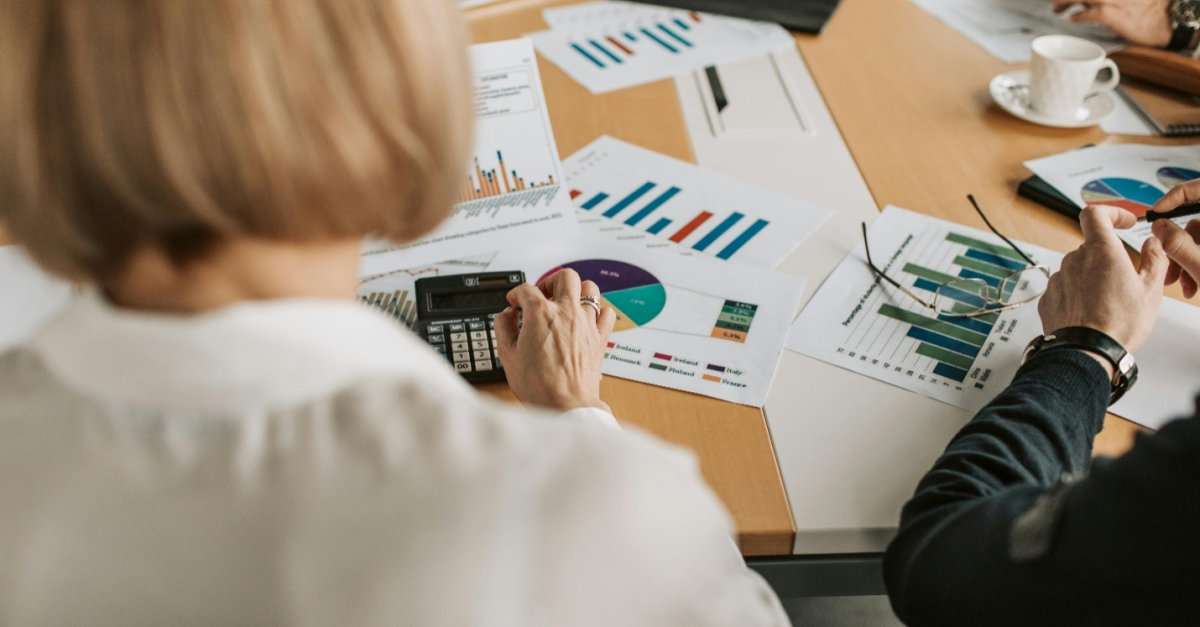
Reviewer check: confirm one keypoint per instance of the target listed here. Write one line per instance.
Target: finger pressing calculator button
(464, 366)
(458, 337)
(462, 356)
(458, 347)
(481, 345)
(482, 355)
(439, 338)
(479, 335)
(483, 365)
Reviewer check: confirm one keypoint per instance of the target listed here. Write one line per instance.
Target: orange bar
(551, 180)
(732, 336)
(504, 173)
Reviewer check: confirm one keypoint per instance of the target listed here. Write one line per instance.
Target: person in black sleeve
(1015, 525)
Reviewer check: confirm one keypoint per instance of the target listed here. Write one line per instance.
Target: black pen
(1182, 211)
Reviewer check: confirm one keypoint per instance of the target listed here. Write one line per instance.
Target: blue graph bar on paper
(630, 37)
(628, 200)
(951, 293)
(659, 41)
(682, 24)
(948, 343)
(970, 324)
(659, 226)
(968, 273)
(654, 204)
(950, 372)
(597, 199)
(597, 46)
(588, 55)
(671, 33)
(716, 233)
(741, 240)
(995, 260)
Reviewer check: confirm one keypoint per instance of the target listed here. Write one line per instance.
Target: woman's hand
(1144, 22)
(554, 354)
(1180, 244)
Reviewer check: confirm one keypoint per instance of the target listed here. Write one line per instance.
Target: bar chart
(489, 183)
(862, 323)
(687, 205)
(391, 293)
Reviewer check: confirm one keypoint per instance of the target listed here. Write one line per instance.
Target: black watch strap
(1181, 39)
(1125, 370)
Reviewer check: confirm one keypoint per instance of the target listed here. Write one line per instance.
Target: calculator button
(482, 355)
(458, 327)
(476, 326)
(441, 348)
(479, 335)
(458, 337)
(434, 329)
(440, 338)
(492, 317)
(463, 366)
(458, 347)
(462, 356)
(483, 365)
(481, 345)
(493, 335)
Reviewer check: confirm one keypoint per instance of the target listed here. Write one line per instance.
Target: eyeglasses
(987, 283)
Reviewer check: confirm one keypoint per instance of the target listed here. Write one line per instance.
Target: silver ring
(590, 301)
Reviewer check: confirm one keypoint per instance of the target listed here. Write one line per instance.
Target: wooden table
(910, 97)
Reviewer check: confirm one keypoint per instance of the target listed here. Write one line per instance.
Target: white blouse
(311, 463)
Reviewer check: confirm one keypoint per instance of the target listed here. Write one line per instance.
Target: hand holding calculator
(456, 315)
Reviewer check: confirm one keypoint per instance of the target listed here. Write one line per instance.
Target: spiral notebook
(1170, 113)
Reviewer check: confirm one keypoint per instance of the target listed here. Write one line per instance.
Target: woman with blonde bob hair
(215, 433)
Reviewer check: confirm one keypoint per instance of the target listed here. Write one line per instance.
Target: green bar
(737, 311)
(742, 328)
(659, 367)
(1002, 251)
(933, 324)
(741, 305)
(945, 356)
(735, 319)
(965, 308)
(932, 275)
(984, 267)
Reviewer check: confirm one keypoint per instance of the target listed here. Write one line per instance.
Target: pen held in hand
(1182, 211)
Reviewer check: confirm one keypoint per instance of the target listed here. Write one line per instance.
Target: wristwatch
(1185, 24)
(1125, 370)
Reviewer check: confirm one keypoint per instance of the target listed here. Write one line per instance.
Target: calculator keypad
(469, 345)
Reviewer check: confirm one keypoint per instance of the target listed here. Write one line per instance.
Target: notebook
(809, 16)
(1170, 113)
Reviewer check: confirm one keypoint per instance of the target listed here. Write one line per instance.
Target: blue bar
(682, 24)
(659, 226)
(628, 200)
(663, 28)
(968, 273)
(741, 240)
(654, 204)
(716, 233)
(630, 37)
(951, 293)
(950, 372)
(660, 42)
(948, 343)
(597, 46)
(597, 199)
(589, 56)
(995, 260)
(970, 324)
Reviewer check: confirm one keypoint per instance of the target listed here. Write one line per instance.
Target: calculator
(456, 314)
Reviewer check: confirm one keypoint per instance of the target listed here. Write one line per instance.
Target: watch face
(1186, 11)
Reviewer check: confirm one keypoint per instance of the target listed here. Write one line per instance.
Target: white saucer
(1011, 92)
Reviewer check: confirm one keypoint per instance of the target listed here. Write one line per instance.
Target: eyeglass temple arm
(879, 273)
(971, 197)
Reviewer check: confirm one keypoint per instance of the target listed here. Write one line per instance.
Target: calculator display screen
(475, 299)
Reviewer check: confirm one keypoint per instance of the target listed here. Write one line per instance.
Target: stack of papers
(607, 46)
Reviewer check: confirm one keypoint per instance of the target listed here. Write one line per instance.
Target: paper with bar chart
(1129, 176)
(613, 45)
(863, 324)
(691, 324)
(662, 201)
(512, 189)
(391, 293)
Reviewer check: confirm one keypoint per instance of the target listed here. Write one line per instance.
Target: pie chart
(1170, 177)
(636, 295)
(1133, 196)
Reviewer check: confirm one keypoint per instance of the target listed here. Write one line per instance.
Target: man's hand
(1179, 244)
(1144, 22)
(1099, 288)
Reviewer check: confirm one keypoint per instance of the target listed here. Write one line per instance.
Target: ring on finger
(591, 301)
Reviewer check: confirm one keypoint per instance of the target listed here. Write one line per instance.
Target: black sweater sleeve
(1003, 531)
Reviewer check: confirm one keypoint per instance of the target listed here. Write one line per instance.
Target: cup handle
(1112, 82)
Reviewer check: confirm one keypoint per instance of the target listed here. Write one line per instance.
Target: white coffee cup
(1064, 74)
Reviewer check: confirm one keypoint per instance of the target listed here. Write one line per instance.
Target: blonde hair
(179, 123)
